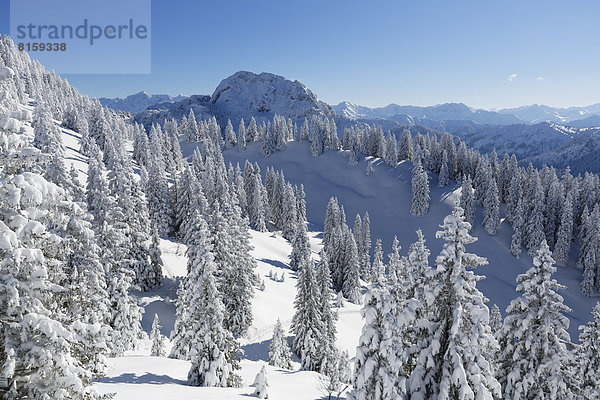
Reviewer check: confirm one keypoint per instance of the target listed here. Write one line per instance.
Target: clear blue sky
(488, 54)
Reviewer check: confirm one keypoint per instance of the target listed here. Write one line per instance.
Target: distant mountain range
(580, 117)
(540, 134)
(139, 101)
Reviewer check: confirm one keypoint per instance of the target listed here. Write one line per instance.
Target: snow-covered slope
(138, 101)
(386, 195)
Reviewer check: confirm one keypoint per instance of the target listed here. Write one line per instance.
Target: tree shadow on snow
(257, 351)
(274, 263)
(147, 378)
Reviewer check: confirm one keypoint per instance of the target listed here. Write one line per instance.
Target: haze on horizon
(486, 55)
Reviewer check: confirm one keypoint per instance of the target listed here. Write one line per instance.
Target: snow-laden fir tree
(38, 348)
(351, 285)
(307, 324)
(300, 246)
(376, 367)
(564, 235)
(405, 150)
(260, 384)
(587, 356)
(157, 339)
(518, 222)
(241, 140)
(212, 349)
(444, 175)
(533, 360)
(495, 319)
(467, 201)
(420, 191)
(491, 209)
(158, 188)
(391, 151)
(377, 258)
(364, 248)
(329, 352)
(230, 137)
(534, 226)
(279, 351)
(455, 353)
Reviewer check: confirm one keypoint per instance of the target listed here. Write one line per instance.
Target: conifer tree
(213, 350)
(376, 370)
(241, 140)
(491, 209)
(495, 319)
(405, 151)
(420, 191)
(279, 352)
(466, 201)
(157, 339)
(534, 359)
(230, 138)
(454, 357)
(444, 174)
(565, 234)
(300, 246)
(329, 317)
(517, 237)
(307, 322)
(587, 356)
(365, 247)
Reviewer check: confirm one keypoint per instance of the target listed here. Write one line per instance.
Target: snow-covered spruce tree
(241, 140)
(260, 384)
(154, 274)
(307, 324)
(495, 319)
(564, 236)
(289, 212)
(377, 258)
(467, 201)
(391, 151)
(420, 191)
(455, 355)
(300, 246)
(37, 354)
(230, 137)
(587, 356)
(491, 209)
(534, 226)
(518, 222)
(405, 150)
(332, 218)
(235, 267)
(444, 175)
(157, 190)
(329, 353)
(351, 285)
(212, 349)
(533, 358)
(376, 367)
(364, 248)
(157, 339)
(279, 351)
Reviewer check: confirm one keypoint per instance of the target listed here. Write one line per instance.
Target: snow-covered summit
(246, 93)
